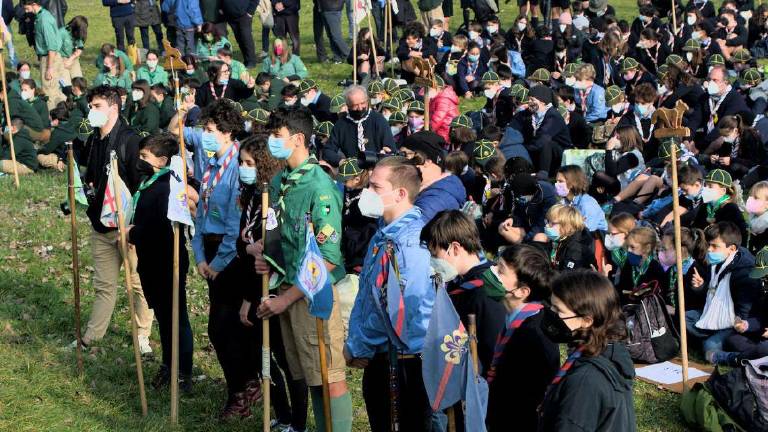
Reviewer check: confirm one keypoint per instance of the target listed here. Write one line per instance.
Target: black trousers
(750, 348)
(414, 412)
(144, 32)
(548, 156)
(241, 26)
(163, 314)
(124, 29)
(285, 24)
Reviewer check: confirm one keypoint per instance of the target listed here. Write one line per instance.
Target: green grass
(40, 388)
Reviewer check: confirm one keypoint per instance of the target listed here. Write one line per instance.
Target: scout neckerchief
(289, 179)
(639, 127)
(714, 206)
(250, 219)
(144, 185)
(639, 271)
(537, 123)
(517, 319)
(713, 107)
(687, 263)
(466, 286)
(735, 147)
(655, 57)
(207, 190)
(560, 64)
(213, 90)
(606, 70)
(555, 249)
(584, 93)
(361, 141)
(619, 256)
(572, 357)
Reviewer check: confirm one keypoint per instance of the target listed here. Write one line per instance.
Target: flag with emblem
(77, 182)
(115, 190)
(178, 210)
(313, 278)
(447, 366)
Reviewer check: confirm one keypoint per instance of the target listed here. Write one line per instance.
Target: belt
(213, 238)
(400, 356)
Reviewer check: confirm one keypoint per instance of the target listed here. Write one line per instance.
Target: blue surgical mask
(277, 148)
(552, 233)
(473, 58)
(209, 142)
(640, 110)
(223, 82)
(247, 175)
(634, 259)
(715, 258)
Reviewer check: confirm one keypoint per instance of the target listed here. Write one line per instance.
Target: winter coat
(445, 194)
(443, 108)
(147, 13)
(187, 12)
(576, 251)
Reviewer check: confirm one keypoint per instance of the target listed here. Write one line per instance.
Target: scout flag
(447, 367)
(79, 191)
(178, 210)
(109, 206)
(313, 278)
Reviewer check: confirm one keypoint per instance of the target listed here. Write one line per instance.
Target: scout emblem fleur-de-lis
(454, 345)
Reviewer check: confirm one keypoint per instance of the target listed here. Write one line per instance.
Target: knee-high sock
(341, 411)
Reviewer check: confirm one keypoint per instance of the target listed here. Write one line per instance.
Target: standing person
(148, 15)
(394, 184)
(329, 19)
(286, 13)
(73, 37)
(188, 20)
(123, 21)
(239, 15)
(593, 388)
(48, 48)
(303, 188)
(151, 233)
(111, 133)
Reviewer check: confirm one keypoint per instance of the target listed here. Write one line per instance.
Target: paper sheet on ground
(667, 373)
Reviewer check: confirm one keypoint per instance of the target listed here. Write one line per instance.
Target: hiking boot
(162, 378)
(238, 407)
(253, 391)
(144, 346)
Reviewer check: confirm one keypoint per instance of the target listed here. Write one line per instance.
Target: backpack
(699, 408)
(740, 397)
(652, 337)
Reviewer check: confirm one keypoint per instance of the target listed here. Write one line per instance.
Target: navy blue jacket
(117, 10)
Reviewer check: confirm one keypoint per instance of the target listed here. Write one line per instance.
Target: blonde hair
(585, 71)
(759, 187)
(460, 41)
(645, 236)
(567, 217)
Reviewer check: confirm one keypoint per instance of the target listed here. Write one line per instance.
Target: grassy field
(40, 388)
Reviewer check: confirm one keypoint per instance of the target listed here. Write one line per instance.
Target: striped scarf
(207, 190)
(502, 339)
(360, 136)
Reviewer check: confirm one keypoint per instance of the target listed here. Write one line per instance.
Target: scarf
(360, 136)
(516, 319)
(145, 185)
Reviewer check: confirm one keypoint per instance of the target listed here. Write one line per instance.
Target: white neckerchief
(713, 107)
(537, 124)
(640, 129)
(758, 225)
(360, 136)
(716, 274)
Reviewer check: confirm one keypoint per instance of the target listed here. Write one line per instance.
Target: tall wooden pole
(354, 42)
(324, 375)
(391, 40)
(73, 171)
(679, 264)
(266, 379)
(373, 47)
(674, 19)
(8, 112)
(129, 289)
(473, 342)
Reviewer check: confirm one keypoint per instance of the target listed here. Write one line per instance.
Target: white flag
(109, 205)
(178, 210)
(361, 8)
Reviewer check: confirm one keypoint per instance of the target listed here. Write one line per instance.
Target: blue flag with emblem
(447, 366)
(313, 278)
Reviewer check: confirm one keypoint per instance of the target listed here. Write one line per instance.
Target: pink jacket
(442, 109)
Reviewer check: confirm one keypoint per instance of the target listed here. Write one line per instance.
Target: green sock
(317, 407)
(341, 413)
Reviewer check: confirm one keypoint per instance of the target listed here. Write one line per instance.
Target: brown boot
(236, 408)
(253, 392)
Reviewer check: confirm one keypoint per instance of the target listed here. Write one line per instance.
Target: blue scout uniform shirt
(596, 108)
(223, 215)
(368, 333)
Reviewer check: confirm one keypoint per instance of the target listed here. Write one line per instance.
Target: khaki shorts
(299, 330)
(6, 166)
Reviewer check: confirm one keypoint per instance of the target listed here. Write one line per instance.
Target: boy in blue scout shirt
(304, 188)
(394, 185)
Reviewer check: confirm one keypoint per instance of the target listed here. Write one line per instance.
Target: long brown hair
(590, 294)
(284, 56)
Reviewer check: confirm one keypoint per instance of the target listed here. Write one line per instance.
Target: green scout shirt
(314, 192)
(60, 135)
(23, 147)
(205, 49)
(40, 104)
(24, 111)
(46, 33)
(123, 81)
(145, 119)
(237, 69)
(159, 76)
(119, 54)
(167, 110)
(69, 45)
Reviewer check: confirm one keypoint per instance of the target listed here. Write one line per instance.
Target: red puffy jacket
(442, 109)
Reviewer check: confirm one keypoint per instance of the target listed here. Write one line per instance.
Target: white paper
(667, 373)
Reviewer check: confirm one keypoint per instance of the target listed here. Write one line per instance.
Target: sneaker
(253, 391)
(73, 345)
(162, 378)
(144, 346)
(277, 426)
(185, 384)
(238, 408)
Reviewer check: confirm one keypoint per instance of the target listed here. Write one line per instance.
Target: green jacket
(273, 98)
(40, 104)
(123, 81)
(46, 33)
(199, 75)
(294, 66)
(23, 147)
(121, 55)
(60, 135)
(159, 76)
(167, 111)
(205, 49)
(237, 70)
(24, 111)
(145, 119)
(314, 192)
(699, 408)
(69, 45)
(210, 10)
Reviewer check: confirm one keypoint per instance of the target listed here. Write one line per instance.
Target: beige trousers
(48, 161)
(6, 166)
(107, 260)
(52, 88)
(428, 16)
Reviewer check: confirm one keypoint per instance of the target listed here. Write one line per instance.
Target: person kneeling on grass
(152, 234)
(26, 155)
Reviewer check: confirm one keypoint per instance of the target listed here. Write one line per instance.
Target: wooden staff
(8, 112)
(451, 419)
(391, 40)
(674, 19)
(75, 260)
(473, 342)
(129, 288)
(679, 264)
(354, 42)
(373, 47)
(265, 350)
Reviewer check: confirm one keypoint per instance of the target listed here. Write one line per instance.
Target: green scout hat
(676, 61)
(628, 64)
(741, 55)
(570, 69)
(540, 75)
(483, 151)
(375, 87)
(691, 46)
(324, 129)
(520, 93)
(390, 86)
(490, 77)
(337, 102)
(306, 85)
(392, 104)
(761, 264)
(613, 95)
(752, 76)
(258, 115)
(397, 117)
(662, 71)
(349, 168)
(720, 177)
(716, 59)
(416, 106)
(461, 121)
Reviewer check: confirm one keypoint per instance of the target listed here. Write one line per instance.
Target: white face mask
(455, 49)
(248, 125)
(25, 74)
(489, 93)
(27, 94)
(305, 101)
(473, 35)
(709, 194)
(434, 32)
(617, 108)
(662, 90)
(560, 54)
(370, 203)
(713, 89)
(151, 64)
(570, 81)
(758, 224)
(97, 118)
(375, 101)
(612, 243)
(136, 95)
(689, 56)
(443, 268)
(562, 28)
(521, 26)
(691, 20)
(395, 129)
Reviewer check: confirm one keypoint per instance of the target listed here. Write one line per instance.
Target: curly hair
(267, 166)
(224, 115)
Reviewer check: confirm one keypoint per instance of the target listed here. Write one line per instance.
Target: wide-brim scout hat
(349, 168)
(306, 85)
(462, 121)
(761, 264)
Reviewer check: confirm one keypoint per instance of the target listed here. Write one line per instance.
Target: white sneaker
(144, 346)
(73, 345)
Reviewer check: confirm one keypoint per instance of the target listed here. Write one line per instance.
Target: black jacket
(523, 373)
(358, 231)
(234, 9)
(236, 90)
(251, 288)
(745, 291)
(576, 251)
(692, 95)
(595, 395)
(654, 273)
(729, 212)
(552, 128)
(321, 109)
(540, 54)
(125, 142)
(733, 104)
(343, 140)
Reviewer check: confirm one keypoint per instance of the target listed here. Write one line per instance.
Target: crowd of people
(545, 214)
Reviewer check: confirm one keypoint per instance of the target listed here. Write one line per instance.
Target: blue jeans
(712, 340)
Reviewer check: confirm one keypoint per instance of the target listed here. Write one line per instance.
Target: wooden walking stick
(473, 343)
(75, 260)
(674, 18)
(391, 40)
(672, 131)
(354, 42)
(265, 350)
(8, 112)
(129, 288)
(373, 47)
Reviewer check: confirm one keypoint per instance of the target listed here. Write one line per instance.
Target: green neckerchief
(638, 272)
(713, 207)
(673, 279)
(619, 256)
(289, 179)
(144, 185)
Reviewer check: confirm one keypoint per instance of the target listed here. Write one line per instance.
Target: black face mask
(106, 70)
(357, 114)
(144, 168)
(554, 327)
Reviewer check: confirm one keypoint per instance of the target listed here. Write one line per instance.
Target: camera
(368, 159)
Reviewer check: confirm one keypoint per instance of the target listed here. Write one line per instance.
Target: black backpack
(733, 392)
(651, 336)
